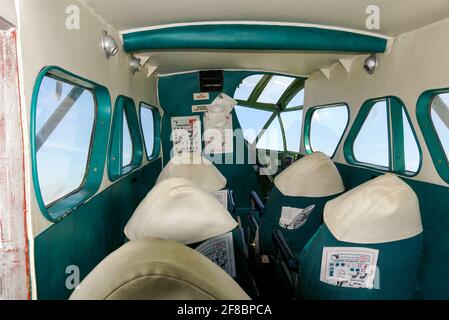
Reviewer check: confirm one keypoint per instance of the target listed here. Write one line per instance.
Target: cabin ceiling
(397, 17)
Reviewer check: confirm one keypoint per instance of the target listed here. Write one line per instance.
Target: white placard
(186, 134)
(201, 96)
(199, 108)
(349, 267)
(220, 250)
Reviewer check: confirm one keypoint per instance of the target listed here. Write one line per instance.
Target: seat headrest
(196, 168)
(381, 210)
(314, 175)
(176, 209)
(153, 269)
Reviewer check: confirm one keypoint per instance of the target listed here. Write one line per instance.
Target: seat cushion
(157, 270)
(195, 168)
(176, 209)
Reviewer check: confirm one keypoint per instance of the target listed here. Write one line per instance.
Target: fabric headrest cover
(382, 210)
(176, 209)
(196, 168)
(152, 269)
(314, 175)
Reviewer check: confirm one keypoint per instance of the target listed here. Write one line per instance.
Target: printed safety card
(294, 218)
(220, 250)
(349, 267)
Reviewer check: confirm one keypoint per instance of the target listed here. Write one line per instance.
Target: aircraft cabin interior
(235, 150)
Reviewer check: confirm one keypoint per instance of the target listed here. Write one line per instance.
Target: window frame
(116, 170)
(93, 177)
(308, 126)
(395, 106)
(157, 130)
(280, 107)
(423, 114)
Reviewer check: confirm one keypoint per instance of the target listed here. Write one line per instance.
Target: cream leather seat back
(177, 209)
(195, 168)
(152, 269)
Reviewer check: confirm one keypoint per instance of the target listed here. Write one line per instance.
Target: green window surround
(97, 153)
(157, 131)
(308, 126)
(396, 113)
(116, 169)
(423, 113)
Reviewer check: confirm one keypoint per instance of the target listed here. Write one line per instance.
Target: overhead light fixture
(135, 64)
(370, 64)
(109, 45)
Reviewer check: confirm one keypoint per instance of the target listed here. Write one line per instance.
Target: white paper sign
(186, 134)
(294, 218)
(201, 96)
(349, 267)
(220, 250)
(200, 108)
(218, 129)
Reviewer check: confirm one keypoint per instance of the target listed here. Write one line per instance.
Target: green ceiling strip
(252, 37)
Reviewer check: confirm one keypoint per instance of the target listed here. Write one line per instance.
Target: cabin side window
(149, 121)
(433, 118)
(270, 111)
(126, 148)
(65, 118)
(70, 119)
(325, 128)
(382, 137)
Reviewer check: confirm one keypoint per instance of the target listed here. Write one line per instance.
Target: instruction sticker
(220, 250)
(201, 96)
(349, 267)
(200, 108)
(186, 134)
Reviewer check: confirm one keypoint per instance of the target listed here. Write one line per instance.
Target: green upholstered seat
(312, 180)
(398, 264)
(382, 214)
(298, 238)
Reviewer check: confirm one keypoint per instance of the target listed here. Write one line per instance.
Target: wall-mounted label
(200, 108)
(186, 134)
(201, 96)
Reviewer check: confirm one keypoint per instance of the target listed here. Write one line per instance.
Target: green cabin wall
(90, 233)
(176, 98)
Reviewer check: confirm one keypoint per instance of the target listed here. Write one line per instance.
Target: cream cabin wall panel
(416, 62)
(8, 11)
(45, 40)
